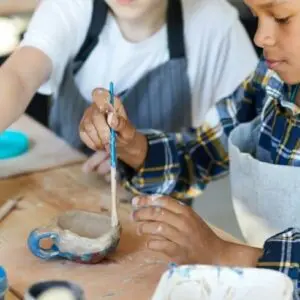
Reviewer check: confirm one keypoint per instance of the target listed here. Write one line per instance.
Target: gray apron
(265, 196)
(160, 100)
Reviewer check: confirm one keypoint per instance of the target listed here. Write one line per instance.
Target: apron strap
(98, 20)
(100, 9)
(175, 29)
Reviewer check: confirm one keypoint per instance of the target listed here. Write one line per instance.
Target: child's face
(278, 34)
(133, 9)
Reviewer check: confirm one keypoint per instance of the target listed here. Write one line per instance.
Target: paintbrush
(113, 166)
(8, 206)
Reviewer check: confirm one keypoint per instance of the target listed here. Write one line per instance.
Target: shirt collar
(276, 88)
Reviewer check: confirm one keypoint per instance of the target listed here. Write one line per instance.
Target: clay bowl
(79, 236)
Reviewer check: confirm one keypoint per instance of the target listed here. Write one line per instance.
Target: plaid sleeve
(181, 164)
(282, 253)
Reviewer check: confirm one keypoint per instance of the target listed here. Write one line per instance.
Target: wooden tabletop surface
(11, 296)
(131, 273)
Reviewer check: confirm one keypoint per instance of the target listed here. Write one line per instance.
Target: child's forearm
(20, 77)
(9, 7)
(13, 98)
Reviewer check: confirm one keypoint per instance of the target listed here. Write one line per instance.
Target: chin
(289, 77)
(128, 13)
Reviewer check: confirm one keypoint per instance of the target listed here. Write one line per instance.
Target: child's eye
(282, 20)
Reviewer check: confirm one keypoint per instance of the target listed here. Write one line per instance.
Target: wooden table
(11, 296)
(131, 273)
(46, 150)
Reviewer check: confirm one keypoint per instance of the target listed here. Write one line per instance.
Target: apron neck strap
(175, 29)
(98, 20)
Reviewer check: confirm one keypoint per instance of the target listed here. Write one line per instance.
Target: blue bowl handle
(33, 243)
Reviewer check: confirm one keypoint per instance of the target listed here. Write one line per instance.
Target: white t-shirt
(220, 54)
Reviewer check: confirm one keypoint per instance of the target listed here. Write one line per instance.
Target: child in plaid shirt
(257, 127)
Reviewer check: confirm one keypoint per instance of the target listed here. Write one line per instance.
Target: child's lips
(273, 64)
(124, 2)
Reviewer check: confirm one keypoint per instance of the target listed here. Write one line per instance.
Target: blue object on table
(3, 283)
(12, 144)
(112, 132)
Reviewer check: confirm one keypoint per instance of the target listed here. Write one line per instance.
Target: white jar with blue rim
(3, 283)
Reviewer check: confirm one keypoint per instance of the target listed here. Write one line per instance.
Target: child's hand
(95, 130)
(99, 162)
(180, 233)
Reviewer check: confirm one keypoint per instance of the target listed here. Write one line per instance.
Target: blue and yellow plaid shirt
(182, 164)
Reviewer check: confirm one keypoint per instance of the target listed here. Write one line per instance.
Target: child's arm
(20, 77)
(281, 252)
(10, 7)
(182, 164)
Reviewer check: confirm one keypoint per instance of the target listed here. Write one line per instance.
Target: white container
(222, 283)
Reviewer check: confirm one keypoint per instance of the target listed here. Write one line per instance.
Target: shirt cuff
(282, 253)
(161, 168)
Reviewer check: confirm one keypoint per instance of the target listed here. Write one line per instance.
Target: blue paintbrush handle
(112, 132)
